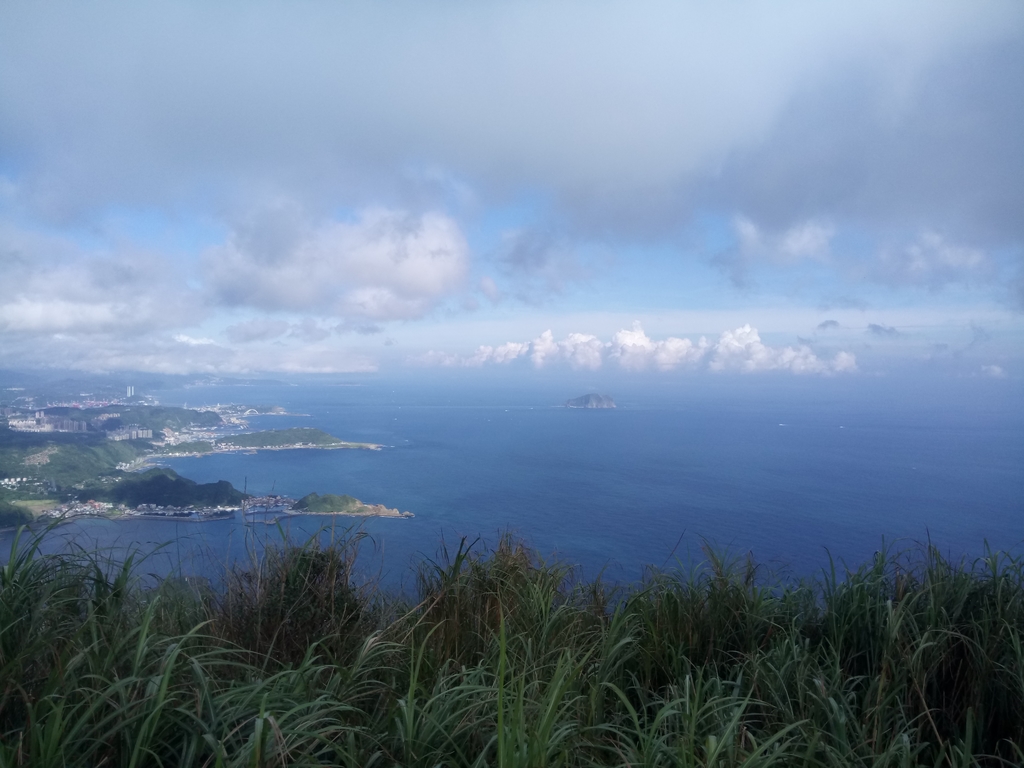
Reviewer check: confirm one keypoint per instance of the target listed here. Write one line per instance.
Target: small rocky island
(330, 504)
(591, 401)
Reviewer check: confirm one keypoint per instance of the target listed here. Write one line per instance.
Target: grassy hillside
(504, 661)
(73, 464)
(155, 417)
(276, 438)
(65, 458)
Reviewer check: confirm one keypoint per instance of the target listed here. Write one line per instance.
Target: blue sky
(801, 188)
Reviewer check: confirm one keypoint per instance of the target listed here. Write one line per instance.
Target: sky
(731, 188)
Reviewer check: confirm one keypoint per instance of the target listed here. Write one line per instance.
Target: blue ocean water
(792, 472)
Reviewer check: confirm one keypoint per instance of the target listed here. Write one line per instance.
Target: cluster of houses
(79, 508)
(104, 509)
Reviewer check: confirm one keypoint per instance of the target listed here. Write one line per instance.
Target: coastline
(376, 510)
(253, 449)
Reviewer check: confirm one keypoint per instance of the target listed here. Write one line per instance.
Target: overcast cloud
(286, 181)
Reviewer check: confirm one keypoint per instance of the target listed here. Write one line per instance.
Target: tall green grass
(504, 660)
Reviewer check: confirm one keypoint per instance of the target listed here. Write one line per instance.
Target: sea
(801, 474)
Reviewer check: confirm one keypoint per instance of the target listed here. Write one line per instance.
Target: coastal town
(257, 509)
(69, 459)
(220, 428)
(80, 509)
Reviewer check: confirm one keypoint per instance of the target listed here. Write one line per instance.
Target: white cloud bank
(633, 350)
(384, 265)
(742, 349)
(53, 285)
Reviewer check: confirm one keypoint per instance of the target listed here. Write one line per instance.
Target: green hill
(166, 488)
(12, 515)
(155, 417)
(279, 438)
(66, 458)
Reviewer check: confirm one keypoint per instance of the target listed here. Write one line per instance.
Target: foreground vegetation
(503, 660)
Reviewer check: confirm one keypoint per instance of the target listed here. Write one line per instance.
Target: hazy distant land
(593, 400)
(67, 460)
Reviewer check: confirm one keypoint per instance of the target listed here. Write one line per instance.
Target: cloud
(844, 362)
(582, 350)
(537, 264)
(884, 142)
(49, 315)
(258, 329)
(1015, 290)
(743, 350)
(993, 371)
(828, 325)
(384, 265)
(310, 330)
(633, 350)
(171, 169)
(843, 302)
(979, 336)
(178, 353)
(630, 349)
(809, 240)
(489, 288)
(307, 329)
(52, 284)
(932, 261)
(500, 355)
(624, 113)
(181, 338)
(885, 331)
(544, 349)
(806, 241)
(507, 352)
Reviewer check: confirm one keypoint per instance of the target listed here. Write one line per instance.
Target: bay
(793, 473)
